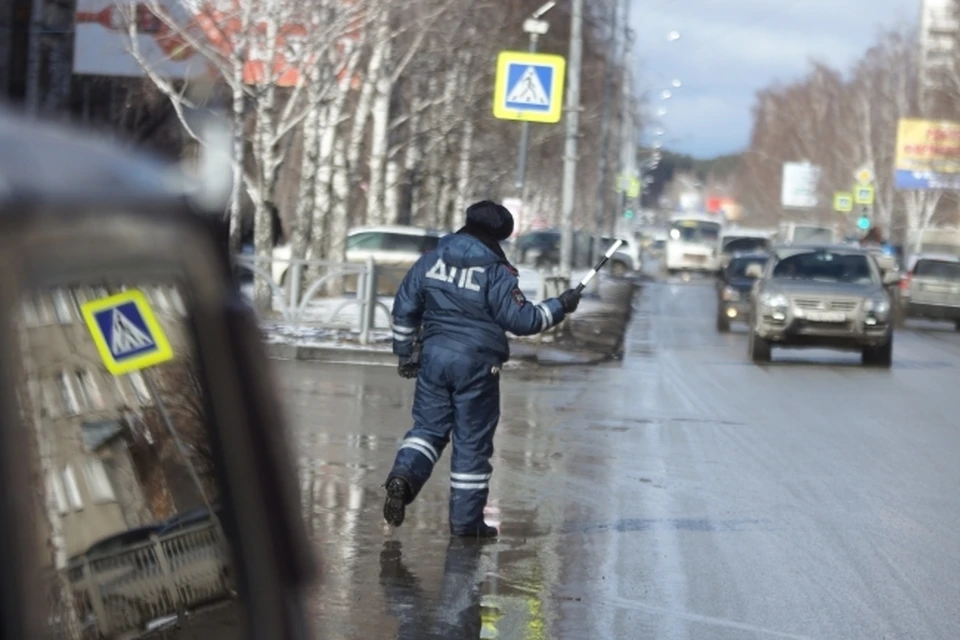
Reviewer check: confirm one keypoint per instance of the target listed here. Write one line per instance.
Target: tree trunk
(378, 150)
(263, 198)
(339, 222)
(463, 167)
(306, 199)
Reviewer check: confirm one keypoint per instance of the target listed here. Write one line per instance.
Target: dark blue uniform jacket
(466, 298)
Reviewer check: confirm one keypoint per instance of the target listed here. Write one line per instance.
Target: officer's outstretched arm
(513, 312)
(408, 310)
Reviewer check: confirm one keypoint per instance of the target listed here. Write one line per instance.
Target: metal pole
(524, 136)
(605, 132)
(628, 144)
(573, 126)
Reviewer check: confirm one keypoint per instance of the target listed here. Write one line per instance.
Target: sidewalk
(594, 334)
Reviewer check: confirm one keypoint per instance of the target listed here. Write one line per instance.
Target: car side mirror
(137, 419)
(754, 271)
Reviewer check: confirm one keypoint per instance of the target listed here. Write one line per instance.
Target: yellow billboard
(928, 154)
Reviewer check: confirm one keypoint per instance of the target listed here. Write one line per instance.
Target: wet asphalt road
(681, 493)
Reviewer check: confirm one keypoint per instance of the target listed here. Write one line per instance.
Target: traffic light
(863, 223)
(628, 214)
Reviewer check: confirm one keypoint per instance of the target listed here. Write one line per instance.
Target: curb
(523, 354)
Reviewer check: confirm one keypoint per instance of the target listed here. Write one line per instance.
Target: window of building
(67, 394)
(72, 489)
(44, 309)
(89, 392)
(98, 482)
(140, 388)
(160, 299)
(177, 300)
(29, 310)
(50, 404)
(62, 306)
(55, 489)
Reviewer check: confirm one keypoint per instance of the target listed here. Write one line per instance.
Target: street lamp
(661, 112)
(673, 36)
(676, 84)
(665, 94)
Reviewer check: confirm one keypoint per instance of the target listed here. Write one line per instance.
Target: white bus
(693, 243)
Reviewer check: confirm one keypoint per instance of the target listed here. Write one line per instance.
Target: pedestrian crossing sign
(126, 333)
(529, 87)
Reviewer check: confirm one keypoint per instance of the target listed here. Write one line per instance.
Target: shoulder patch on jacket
(518, 296)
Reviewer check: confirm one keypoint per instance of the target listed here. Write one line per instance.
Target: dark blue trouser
(460, 397)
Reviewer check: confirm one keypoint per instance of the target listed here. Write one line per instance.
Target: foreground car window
(825, 267)
(937, 269)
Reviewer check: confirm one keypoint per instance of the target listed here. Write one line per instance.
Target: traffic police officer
(459, 301)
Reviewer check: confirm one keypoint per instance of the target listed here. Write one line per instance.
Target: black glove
(408, 368)
(570, 299)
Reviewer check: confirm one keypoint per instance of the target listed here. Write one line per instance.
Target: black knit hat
(494, 218)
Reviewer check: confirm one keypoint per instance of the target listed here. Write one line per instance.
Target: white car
(626, 259)
(389, 246)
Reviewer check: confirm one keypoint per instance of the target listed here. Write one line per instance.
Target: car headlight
(768, 299)
(879, 306)
(730, 294)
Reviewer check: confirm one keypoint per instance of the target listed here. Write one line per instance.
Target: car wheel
(759, 348)
(723, 323)
(879, 356)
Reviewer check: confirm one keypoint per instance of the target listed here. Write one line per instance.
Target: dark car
(735, 283)
(541, 249)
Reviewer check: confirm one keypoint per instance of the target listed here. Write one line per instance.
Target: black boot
(398, 497)
(483, 530)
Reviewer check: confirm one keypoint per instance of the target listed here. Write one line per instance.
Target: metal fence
(340, 296)
(321, 293)
(126, 590)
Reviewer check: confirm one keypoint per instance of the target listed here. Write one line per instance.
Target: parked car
(389, 246)
(931, 288)
(735, 284)
(541, 249)
(822, 296)
(626, 259)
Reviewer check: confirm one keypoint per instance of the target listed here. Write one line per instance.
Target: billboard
(799, 187)
(928, 154)
(102, 42)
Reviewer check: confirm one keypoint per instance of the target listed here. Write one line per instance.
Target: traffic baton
(587, 278)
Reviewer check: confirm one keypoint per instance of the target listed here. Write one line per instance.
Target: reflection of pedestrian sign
(126, 332)
(529, 87)
(843, 202)
(863, 195)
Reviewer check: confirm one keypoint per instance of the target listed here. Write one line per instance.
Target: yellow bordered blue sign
(126, 332)
(529, 87)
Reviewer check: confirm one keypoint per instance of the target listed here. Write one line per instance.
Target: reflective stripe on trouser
(460, 397)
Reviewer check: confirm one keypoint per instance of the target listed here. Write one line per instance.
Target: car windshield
(695, 231)
(812, 235)
(825, 266)
(738, 266)
(743, 244)
(937, 269)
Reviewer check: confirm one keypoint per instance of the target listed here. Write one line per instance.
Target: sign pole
(569, 192)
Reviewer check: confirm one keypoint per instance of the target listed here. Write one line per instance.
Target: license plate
(826, 316)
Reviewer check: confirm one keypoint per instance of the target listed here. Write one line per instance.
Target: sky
(729, 49)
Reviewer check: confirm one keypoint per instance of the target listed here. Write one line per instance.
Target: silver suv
(822, 296)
